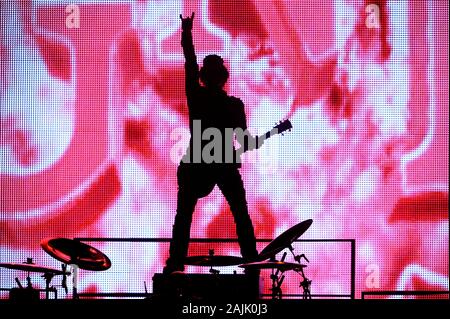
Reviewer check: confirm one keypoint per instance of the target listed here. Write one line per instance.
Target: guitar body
(197, 179)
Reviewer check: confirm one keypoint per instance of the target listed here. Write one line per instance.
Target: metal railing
(228, 240)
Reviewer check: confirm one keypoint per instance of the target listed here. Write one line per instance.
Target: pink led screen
(93, 119)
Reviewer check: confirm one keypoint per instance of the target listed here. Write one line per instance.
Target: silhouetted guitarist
(210, 106)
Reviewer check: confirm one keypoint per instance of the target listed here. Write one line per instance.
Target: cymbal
(284, 240)
(32, 268)
(213, 260)
(74, 252)
(281, 265)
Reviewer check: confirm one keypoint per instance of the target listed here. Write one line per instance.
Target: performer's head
(213, 74)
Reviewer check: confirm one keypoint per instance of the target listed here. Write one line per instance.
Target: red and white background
(92, 106)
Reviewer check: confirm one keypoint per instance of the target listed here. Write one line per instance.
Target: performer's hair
(214, 72)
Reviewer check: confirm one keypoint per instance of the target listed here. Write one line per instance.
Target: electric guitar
(202, 181)
(280, 128)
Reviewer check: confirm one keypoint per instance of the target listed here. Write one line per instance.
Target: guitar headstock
(279, 128)
(283, 126)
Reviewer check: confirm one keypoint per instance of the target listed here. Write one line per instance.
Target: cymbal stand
(212, 270)
(276, 285)
(277, 280)
(48, 278)
(74, 265)
(29, 285)
(74, 280)
(64, 278)
(306, 283)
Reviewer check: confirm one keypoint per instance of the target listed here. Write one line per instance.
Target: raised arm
(190, 66)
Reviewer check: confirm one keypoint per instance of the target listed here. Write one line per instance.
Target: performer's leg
(232, 187)
(179, 244)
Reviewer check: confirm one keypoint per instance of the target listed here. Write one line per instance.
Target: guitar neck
(268, 134)
(282, 127)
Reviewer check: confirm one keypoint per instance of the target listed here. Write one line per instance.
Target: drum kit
(70, 252)
(82, 256)
(266, 260)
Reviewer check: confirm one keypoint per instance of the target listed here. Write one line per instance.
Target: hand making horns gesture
(186, 23)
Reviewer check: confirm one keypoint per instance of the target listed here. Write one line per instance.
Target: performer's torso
(213, 116)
